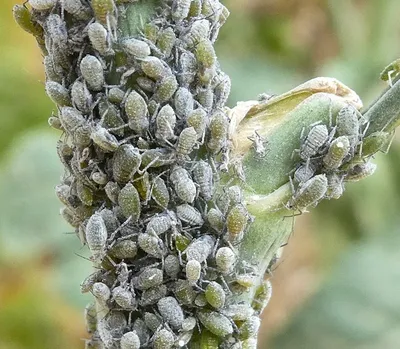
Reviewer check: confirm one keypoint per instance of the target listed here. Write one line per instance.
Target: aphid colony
(329, 157)
(143, 132)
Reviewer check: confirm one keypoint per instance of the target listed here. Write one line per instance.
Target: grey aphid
(42, 5)
(216, 323)
(337, 152)
(136, 48)
(335, 186)
(149, 278)
(184, 292)
(146, 84)
(235, 195)
(347, 124)
(222, 90)
(87, 284)
(112, 191)
(200, 249)
(198, 31)
(58, 93)
(165, 89)
(225, 259)
(151, 244)
(152, 321)
(98, 37)
(124, 249)
(61, 60)
(304, 172)
(154, 68)
(91, 317)
(183, 102)
(215, 295)
(171, 312)
(141, 330)
(110, 117)
(99, 178)
(166, 41)
(165, 123)
(183, 339)
(123, 298)
(206, 75)
(101, 291)
(104, 139)
(187, 68)
(81, 97)
(238, 312)
(211, 9)
(198, 120)
(129, 201)
(153, 295)
(71, 119)
(247, 280)
(218, 131)
(172, 266)
(63, 192)
(203, 176)
(360, 171)
(189, 323)
(189, 215)
(205, 53)
(92, 71)
(137, 113)
(249, 329)
(96, 234)
(163, 339)
(314, 141)
(193, 271)
(159, 224)
(126, 162)
(216, 220)
(105, 334)
(116, 95)
(57, 34)
(186, 142)
(184, 187)
(200, 300)
(180, 10)
(130, 340)
(309, 193)
(205, 96)
(50, 70)
(160, 193)
(76, 9)
(110, 220)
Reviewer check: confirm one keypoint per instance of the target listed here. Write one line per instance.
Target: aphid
(136, 111)
(205, 53)
(195, 8)
(42, 5)
(216, 323)
(304, 172)
(151, 244)
(211, 9)
(91, 317)
(104, 139)
(236, 221)
(158, 224)
(92, 72)
(50, 70)
(347, 124)
(249, 328)
(129, 201)
(218, 131)
(216, 220)
(146, 84)
(112, 191)
(200, 30)
(81, 97)
(116, 95)
(110, 118)
(360, 171)
(165, 123)
(102, 9)
(238, 312)
(153, 295)
(110, 220)
(234, 195)
(183, 338)
(180, 10)
(126, 162)
(186, 142)
(377, 141)
(205, 96)
(76, 9)
(136, 48)
(96, 234)
(150, 31)
(198, 120)
(87, 284)
(335, 186)
(171, 312)
(189, 324)
(166, 41)
(149, 278)
(391, 71)
(337, 152)
(130, 340)
(123, 297)
(181, 241)
(309, 193)
(98, 36)
(183, 102)
(57, 34)
(160, 193)
(246, 280)
(24, 18)
(225, 259)
(172, 266)
(154, 68)
(215, 295)
(163, 339)
(157, 157)
(193, 271)
(315, 139)
(206, 76)
(55, 123)
(184, 292)
(152, 321)
(141, 330)
(165, 89)
(143, 186)
(262, 296)
(63, 193)
(84, 193)
(184, 187)
(187, 68)
(250, 343)
(101, 291)
(58, 93)
(203, 176)
(123, 249)
(200, 249)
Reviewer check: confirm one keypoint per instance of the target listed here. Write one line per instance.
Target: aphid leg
(112, 236)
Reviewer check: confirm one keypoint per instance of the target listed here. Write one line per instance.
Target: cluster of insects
(143, 130)
(331, 156)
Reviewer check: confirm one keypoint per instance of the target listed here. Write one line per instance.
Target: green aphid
(101, 9)
(129, 201)
(24, 19)
(205, 53)
(208, 340)
(215, 295)
(84, 193)
(160, 193)
(216, 323)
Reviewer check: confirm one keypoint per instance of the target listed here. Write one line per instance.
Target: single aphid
(154, 68)
(187, 68)
(130, 340)
(116, 95)
(110, 118)
(205, 76)
(137, 113)
(335, 186)
(24, 18)
(184, 292)
(199, 30)
(126, 162)
(141, 330)
(136, 48)
(159, 224)
(218, 131)
(81, 97)
(152, 321)
(193, 271)
(262, 296)
(200, 249)
(102, 9)
(205, 96)
(195, 8)
(160, 193)
(314, 141)
(165, 89)
(309, 193)
(171, 312)
(238, 312)
(148, 278)
(205, 53)
(225, 259)
(98, 37)
(163, 339)
(391, 71)
(186, 142)
(123, 249)
(129, 201)
(166, 41)
(87, 284)
(360, 171)
(143, 185)
(347, 124)
(123, 298)
(216, 220)
(150, 31)
(101, 291)
(172, 266)
(198, 120)
(57, 34)
(222, 89)
(236, 221)
(215, 295)
(183, 102)
(216, 323)
(96, 235)
(180, 10)
(377, 141)
(203, 176)
(184, 187)
(146, 84)
(165, 123)
(337, 152)
(52, 73)
(92, 71)
(189, 215)
(42, 5)
(157, 157)
(151, 244)
(76, 9)
(112, 191)
(107, 142)
(153, 295)
(304, 172)
(249, 329)
(55, 123)
(84, 193)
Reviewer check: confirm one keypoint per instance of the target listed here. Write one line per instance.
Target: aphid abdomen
(315, 139)
(310, 192)
(337, 152)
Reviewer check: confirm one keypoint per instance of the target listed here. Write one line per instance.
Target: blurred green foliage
(266, 46)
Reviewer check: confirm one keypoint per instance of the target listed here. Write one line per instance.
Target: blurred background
(337, 284)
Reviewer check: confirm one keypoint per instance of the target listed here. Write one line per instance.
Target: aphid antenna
(112, 236)
(85, 258)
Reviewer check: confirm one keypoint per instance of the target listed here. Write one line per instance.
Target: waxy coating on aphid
(215, 295)
(338, 150)
(92, 72)
(137, 113)
(205, 53)
(77, 9)
(104, 139)
(184, 186)
(102, 9)
(148, 278)
(165, 89)
(315, 139)
(129, 201)
(116, 95)
(183, 102)
(96, 234)
(216, 220)
(136, 48)
(58, 93)
(236, 221)
(189, 215)
(101, 291)
(154, 68)
(110, 118)
(130, 340)
(57, 34)
(171, 312)
(152, 321)
(180, 9)
(216, 323)
(152, 295)
(124, 249)
(159, 224)
(203, 176)
(81, 97)
(112, 190)
(126, 162)
(205, 96)
(98, 37)
(172, 266)
(166, 41)
(309, 193)
(225, 259)
(335, 186)
(123, 297)
(218, 131)
(91, 317)
(304, 172)
(186, 141)
(160, 193)
(347, 124)
(193, 271)
(151, 244)
(262, 296)
(199, 30)
(198, 120)
(165, 123)
(163, 339)
(360, 171)
(200, 249)
(141, 330)
(157, 157)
